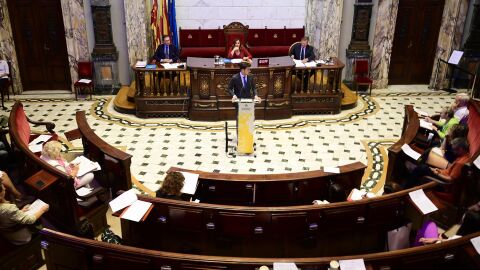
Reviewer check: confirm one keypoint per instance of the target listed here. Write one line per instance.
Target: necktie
(302, 54)
(167, 55)
(244, 81)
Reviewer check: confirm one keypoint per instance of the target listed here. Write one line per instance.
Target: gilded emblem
(294, 35)
(209, 36)
(275, 36)
(256, 35)
(189, 36)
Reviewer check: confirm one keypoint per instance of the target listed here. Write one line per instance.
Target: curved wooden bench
(275, 189)
(470, 173)
(69, 252)
(305, 231)
(49, 183)
(115, 163)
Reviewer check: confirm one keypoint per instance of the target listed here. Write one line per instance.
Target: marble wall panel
(383, 41)
(323, 25)
(136, 25)
(450, 38)
(7, 45)
(75, 34)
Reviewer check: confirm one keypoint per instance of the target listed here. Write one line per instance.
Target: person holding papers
(447, 120)
(166, 52)
(302, 51)
(459, 106)
(305, 53)
(51, 153)
(237, 50)
(13, 221)
(172, 187)
(452, 173)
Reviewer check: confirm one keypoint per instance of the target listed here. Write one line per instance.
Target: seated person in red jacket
(451, 174)
(239, 51)
(172, 187)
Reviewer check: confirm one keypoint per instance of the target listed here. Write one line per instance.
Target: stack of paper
(37, 144)
(35, 207)
(85, 165)
(410, 152)
(141, 64)
(357, 194)
(85, 81)
(331, 169)
(311, 64)
(190, 184)
(298, 63)
(477, 162)
(136, 209)
(320, 62)
(422, 201)
(318, 202)
(421, 113)
(476, 243)
(171, 66)
(426, 125)
(284, 266)
(356, 264)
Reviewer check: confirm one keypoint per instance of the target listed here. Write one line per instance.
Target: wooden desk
(200, 91)
(41, 180)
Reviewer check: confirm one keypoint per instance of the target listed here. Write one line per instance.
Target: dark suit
(235, 87)
(299, 55)
(160, 53)
(297, 50)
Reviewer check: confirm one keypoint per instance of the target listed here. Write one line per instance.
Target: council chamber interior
(206, 134)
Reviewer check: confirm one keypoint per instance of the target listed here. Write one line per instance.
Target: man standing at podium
(242, 85)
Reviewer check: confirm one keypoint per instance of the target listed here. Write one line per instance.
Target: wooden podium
(245, 126)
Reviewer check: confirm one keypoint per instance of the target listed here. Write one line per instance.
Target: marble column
(449, 39)
(383, 41)
(323, 25)
(136, 25)
(7, 45)
(75, 34)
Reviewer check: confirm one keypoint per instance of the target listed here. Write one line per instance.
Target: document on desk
(477, 162)
(35, 207)
(35, 148)
(298, 63)
(426, 125)
(320, 62)
(421, 113)
(85, 165)
(284, 266)
(422, 201)
(190, 184)
(83, 191)
(136, 211)
(311, 64)
(125, 199)
(141, 64)
(85, 81)
(410, 152)
(356, 264)
(41, 139)
(236, 60)
(331, 169)
(476, 243)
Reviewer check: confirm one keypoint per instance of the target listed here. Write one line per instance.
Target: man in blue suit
(166, 52)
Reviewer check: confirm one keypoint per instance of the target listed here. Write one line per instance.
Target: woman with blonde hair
(51, 153)
(172, 187)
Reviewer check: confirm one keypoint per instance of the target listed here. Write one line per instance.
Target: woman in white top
(51, 153)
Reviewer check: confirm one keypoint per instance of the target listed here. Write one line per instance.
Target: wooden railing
(161, 92)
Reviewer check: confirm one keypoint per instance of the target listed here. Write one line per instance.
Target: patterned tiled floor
(298, 144)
